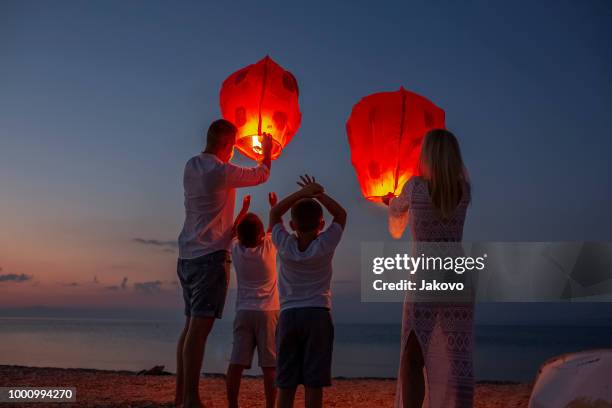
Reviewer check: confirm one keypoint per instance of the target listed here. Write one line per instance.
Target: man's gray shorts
(204, 281)
(304, 344)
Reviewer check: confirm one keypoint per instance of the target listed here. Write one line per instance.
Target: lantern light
(385, 131)
(261, 98)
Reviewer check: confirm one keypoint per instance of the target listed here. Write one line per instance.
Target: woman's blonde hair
(441, 165)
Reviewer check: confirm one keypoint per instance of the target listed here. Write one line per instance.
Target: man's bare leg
(313, 397)
(269, 386)
(178, 393)
(234, 375)
(286, 397)
(193, 354)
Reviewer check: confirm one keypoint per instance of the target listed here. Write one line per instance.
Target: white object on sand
(574, 380)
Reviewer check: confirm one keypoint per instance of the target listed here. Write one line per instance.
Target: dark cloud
(157, 243)
(13, 277)
(148, 288)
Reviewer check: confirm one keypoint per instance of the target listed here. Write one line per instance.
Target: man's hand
(272, 199)
(309, 186)
(266, 149)
(266, 144)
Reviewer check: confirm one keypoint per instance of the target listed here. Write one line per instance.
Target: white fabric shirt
(255, 275)
(210, 194)
(304, 277)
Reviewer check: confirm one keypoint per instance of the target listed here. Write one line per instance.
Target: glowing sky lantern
(261, 98)
(385, 133)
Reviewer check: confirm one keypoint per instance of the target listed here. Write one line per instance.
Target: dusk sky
(102, 103)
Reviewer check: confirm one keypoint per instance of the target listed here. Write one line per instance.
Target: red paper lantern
(261, 98)
(385, 132)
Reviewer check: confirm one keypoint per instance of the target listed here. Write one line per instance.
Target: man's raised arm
(238, 176)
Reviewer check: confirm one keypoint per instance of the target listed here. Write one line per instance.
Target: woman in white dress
(437, 337)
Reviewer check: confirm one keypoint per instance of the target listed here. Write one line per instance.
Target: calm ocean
(511, 353)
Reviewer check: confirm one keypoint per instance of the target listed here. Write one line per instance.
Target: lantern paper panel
(385, 132)
(261, 98)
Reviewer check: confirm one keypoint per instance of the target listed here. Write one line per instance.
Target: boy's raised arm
(334, 208)
(276, 213)
(246, 202)
(331, 205)
(272, 199)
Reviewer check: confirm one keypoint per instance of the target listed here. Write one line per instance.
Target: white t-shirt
(255, 275)
(304, 277)
(210, 193)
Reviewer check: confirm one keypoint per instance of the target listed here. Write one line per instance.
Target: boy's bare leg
(178, 394)
(193, 354)
(286, 397)
(234, 375)
(269, 386)
(313, 397)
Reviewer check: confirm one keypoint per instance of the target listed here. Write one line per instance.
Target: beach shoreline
(106, 388)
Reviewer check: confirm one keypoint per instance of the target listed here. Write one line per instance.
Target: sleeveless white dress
(444, 330)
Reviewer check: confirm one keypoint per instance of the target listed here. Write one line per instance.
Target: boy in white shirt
(257, 306)
(305, 333)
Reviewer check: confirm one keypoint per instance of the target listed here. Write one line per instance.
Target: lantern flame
(386, 186)
(256, 143)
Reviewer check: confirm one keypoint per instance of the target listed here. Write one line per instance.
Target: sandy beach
(96, 388)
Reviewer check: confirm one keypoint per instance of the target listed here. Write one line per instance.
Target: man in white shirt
(210, 183)
(305, 333)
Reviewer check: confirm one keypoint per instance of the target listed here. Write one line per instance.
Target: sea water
(504, 353)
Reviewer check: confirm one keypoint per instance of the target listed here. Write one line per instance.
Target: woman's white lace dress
(444, 330)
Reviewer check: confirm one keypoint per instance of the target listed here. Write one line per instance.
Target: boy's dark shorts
(204, 281)
(304, 344)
